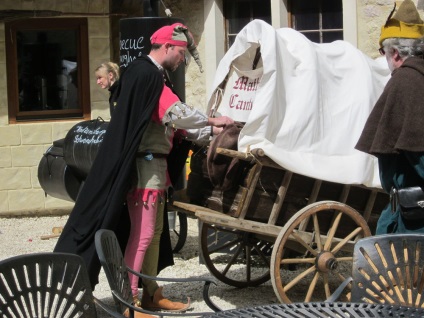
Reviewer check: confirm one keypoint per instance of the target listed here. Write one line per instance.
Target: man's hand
(220, 121)
(216, 130)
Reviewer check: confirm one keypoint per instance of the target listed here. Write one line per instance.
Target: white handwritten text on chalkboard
(85, 135)
(130, 50)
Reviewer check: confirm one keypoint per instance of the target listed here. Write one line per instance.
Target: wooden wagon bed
(271, 220)
(270, 195)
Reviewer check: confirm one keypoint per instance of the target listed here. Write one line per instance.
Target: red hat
(177, 34)
(172, 34)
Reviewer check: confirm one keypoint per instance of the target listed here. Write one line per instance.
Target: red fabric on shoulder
(166, 100)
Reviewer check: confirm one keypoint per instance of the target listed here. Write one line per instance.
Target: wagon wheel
(318, 263)
(235, 257)
(179, 232)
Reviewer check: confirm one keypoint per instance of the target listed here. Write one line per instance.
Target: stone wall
(22, 145)
(372, 15)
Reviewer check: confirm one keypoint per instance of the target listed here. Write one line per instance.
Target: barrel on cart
(296, 230)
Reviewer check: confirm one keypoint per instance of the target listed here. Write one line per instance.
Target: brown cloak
(397, 119)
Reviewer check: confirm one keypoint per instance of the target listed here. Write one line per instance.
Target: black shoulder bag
(410, 200)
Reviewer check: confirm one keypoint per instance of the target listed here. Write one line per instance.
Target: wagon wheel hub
(326, 262)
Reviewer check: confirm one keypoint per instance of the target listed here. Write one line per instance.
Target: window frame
(80, 26)
(319, 31)
(227, 34)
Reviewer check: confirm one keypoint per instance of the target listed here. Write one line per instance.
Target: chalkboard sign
(134, 40)
(134, 36)
(82, 143)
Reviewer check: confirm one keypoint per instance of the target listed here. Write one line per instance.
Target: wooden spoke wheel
(237, 258)
(313, 253)
(179, 232)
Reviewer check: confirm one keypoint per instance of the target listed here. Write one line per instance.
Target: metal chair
(113, 263)
(51, 285)
(387, 269)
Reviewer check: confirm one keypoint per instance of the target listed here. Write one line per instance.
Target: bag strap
(394, 199)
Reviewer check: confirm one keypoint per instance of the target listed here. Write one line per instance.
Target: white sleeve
(182, 116)
(199, 134)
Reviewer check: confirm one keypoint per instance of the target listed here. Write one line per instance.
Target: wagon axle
(326, 262)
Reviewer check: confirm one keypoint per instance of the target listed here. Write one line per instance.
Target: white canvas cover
(305, 104)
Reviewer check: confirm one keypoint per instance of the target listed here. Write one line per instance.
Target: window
(47, 69)
(321, 21)
(238, 13)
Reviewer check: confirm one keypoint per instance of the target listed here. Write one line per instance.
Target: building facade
(85, 33)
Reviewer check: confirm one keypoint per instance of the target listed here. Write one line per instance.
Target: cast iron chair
(387, 269)
(54, 285)
(113, 263)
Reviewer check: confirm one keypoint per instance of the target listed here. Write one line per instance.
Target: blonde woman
(107, 76)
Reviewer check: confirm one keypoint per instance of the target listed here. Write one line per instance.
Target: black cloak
(101, 201)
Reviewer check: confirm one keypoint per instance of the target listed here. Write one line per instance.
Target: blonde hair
(110, 67)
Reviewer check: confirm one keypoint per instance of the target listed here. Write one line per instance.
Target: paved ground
(23, 235)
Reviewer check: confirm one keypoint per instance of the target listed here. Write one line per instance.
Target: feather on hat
(406, 23)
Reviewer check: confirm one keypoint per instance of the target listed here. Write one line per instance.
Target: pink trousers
(142, 207)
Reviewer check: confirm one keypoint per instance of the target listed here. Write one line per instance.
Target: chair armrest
(106, 308)
(335, 296)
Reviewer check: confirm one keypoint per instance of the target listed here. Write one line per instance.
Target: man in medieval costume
(131, 173)
(394, 130)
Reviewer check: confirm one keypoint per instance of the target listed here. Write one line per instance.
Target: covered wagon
(284, 194)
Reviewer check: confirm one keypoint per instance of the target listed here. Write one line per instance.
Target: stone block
(26, 200)
(79, 6)
(2, 36)
(5, 157)
(4, 116)
(34, 177)
(3, 78)
(60, 129)
(28, 5)
(54, 203)
(104, 113)
(15, 178)
(27, 156)
(45, 5)
(35, 134)
(101, 47)
(99, 27)
(98, 6)
(4, 202)
(10, 5)
(10, 136)
(64, 6)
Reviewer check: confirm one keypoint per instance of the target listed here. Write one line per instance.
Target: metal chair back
(389, 269)
(113, 263)
(54, 285)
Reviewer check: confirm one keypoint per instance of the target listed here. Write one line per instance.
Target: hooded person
(393, 132)
(131, 174)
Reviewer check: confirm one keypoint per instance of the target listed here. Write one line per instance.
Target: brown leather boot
(137, 314)
(158, 302)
